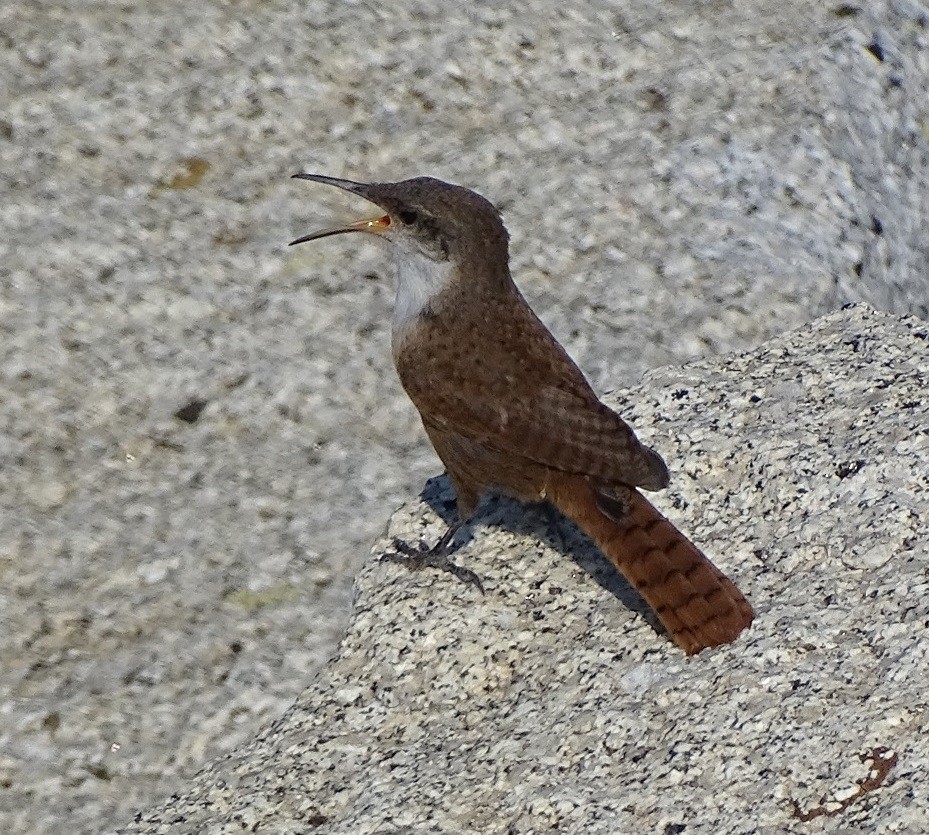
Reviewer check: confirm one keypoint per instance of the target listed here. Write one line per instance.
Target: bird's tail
(698, 605)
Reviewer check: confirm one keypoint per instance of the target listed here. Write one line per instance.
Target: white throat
(419, 281)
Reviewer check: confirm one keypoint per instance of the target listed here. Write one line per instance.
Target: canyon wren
(507, 409)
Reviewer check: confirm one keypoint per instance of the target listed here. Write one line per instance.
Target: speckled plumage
(506, 408)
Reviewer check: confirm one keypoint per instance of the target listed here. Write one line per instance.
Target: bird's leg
(437, 556)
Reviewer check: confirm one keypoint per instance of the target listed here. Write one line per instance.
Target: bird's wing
(519, 392)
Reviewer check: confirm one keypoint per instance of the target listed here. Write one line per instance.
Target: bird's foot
(436, 556)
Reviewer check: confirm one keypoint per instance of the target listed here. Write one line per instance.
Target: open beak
(374, 225)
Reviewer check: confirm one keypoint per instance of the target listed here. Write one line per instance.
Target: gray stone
(553, 705)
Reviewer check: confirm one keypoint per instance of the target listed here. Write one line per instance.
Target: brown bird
(506, 408)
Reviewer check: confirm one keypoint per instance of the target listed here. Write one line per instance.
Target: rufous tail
(698, 605)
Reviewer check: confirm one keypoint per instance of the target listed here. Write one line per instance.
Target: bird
(508, 410)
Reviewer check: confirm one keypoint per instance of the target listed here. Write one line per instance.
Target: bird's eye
(408, 216)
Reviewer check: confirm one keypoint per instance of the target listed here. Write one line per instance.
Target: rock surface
(551, 705)
(200, 431)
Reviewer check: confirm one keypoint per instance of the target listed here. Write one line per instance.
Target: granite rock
(552, 704)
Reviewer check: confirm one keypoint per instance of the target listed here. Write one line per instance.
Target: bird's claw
(436, 556)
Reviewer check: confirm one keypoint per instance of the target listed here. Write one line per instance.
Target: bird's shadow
(542, 521)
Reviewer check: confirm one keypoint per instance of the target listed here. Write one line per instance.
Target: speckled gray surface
(679, 180)
(549, 705)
